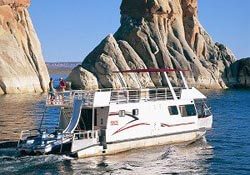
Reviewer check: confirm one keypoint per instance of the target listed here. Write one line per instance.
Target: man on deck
(62, 85)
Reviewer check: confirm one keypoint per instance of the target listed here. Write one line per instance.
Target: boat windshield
(202, 108)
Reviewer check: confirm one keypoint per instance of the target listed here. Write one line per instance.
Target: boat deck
(65, 99)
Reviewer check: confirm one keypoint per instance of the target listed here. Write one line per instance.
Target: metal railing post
(184, 80)
(170, 86)
(61, 145)
(156, 94)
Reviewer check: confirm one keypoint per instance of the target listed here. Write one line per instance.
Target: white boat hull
(125, 145)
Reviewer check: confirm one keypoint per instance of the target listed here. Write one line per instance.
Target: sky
(69, 30)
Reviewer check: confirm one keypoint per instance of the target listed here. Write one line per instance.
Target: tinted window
(173, 110)
(187, 110)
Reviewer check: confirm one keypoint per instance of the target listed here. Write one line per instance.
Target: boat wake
(12, 163)
(191, 158)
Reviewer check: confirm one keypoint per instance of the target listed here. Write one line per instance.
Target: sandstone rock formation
(82, 78)
(22, 68)
(159, 34)
(238, 74)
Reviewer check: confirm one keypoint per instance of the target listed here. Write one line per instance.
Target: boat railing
(88, 97)
(80, 135)
(29, 133)
(156, 94)
(60, 99)
(117, 96)
(29, 137)
(40, 132)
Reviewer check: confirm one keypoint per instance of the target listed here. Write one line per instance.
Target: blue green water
(230, 136)
(226, 149)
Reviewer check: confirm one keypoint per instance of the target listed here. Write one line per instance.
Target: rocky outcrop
(22, 68)
(159, 34)
(82, 78)
(238, 74)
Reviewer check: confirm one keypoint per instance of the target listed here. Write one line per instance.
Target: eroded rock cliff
(22, 68)
(159, 34)
(238, 74)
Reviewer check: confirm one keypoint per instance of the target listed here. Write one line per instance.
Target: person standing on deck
(62, 85)
(51, 90)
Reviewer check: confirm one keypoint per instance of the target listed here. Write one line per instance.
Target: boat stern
(42, 142)
(33, 146)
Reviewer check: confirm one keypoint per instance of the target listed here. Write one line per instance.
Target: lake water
(226, 149)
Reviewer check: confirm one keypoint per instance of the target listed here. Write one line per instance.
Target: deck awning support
(184, 80)
(122, 81)
(162, 70)
(170, 86)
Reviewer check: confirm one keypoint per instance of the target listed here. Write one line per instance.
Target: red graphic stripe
(122, 129)
(113, 113)
(181, 124)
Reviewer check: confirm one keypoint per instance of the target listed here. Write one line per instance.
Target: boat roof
(151, 70)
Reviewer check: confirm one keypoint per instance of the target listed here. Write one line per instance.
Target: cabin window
(173, 110)
(135, 112)
(122, 113)
(187, 110)
(202, 109)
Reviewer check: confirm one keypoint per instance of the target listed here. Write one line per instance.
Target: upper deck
(104, 97)
(107, 96)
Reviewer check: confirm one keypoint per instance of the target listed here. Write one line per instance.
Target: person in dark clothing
(51, 89)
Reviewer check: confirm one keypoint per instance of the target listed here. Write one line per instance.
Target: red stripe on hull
(113, 113)
(132, 126)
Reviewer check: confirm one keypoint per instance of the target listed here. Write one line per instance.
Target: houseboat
(109, 121)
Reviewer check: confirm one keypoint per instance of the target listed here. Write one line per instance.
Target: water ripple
(226, 150)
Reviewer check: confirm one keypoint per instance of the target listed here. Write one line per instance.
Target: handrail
(85, 135)
(60, 98)
(48, 138)
(117, 96)
(37, 132)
